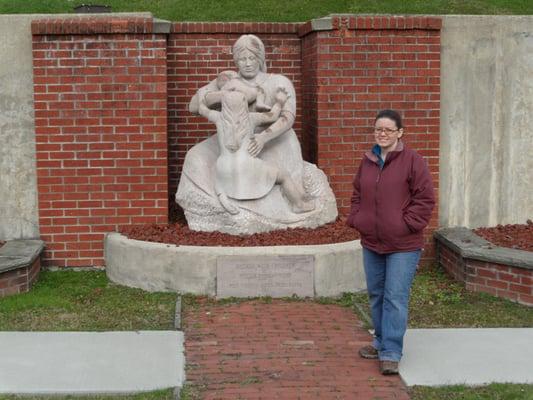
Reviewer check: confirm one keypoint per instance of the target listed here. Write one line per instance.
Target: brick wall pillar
(100, 88)
(354, 66)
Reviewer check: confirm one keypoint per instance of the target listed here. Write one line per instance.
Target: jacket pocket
(398, 228)
(364, 223)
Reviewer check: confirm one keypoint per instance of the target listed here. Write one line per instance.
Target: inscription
(275, 276)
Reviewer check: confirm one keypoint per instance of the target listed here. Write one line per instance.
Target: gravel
(179, 234)
(515, 236)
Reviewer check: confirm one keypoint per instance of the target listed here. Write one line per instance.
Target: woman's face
(248, 64)
(387, 133)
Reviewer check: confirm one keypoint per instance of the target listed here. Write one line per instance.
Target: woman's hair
(392, 115)
(253, 44)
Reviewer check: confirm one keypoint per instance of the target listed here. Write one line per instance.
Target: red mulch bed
(517, 236)
(179, 234)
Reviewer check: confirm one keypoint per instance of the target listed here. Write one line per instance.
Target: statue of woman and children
(250, 176)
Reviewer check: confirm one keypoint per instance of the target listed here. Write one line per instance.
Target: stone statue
(250, 176)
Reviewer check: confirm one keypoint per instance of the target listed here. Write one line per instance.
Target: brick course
(362, 65)
(101, 132)
(499, 280)
(19, 280)
(281, 350)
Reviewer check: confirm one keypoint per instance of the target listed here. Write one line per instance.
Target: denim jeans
(388, 279)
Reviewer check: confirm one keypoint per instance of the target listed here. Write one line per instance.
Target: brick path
(281, 350)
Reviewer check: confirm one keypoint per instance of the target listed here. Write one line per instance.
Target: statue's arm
(261, 118)
(211, 115)
(282, 125)
(200, 95)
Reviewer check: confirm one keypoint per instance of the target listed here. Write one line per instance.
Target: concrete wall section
(486, 173)
(338, 267)
(18, 191)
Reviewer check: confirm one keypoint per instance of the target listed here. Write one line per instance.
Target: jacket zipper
(376, 207)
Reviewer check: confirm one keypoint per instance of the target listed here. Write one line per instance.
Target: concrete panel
(18, 188)
(90, 362)
(486, 168)
(274, 276)
(437, 357)
(193, 269)
(18, 183)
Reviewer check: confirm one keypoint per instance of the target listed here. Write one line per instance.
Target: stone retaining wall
(470, 259)
(20, 264)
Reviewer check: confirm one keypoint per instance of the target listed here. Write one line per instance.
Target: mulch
(515, 236)
(179, 234)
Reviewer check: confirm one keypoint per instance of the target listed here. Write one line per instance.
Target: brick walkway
(281, 350)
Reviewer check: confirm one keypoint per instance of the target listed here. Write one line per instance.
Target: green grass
(439, 302)
(496, 391)
(157, 395)
(88, 301)
(275, 10)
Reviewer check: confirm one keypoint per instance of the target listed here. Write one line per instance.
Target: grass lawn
(85, 301)
(496, 391)
(158, 395)
(437, 301)
(275, 10)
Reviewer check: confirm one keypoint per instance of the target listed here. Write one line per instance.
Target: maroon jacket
(391, 206)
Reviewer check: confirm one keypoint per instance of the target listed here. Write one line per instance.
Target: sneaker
(388, 367)
(368, 352)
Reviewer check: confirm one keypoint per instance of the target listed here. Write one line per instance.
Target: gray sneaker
(369, 352)
(388, 367)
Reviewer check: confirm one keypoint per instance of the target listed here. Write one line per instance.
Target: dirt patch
(514, 236)
(179, 234)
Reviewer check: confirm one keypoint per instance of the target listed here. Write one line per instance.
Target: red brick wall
(499, 280)
(100, 122)
(19, 280)
(197, 53)
(363, 65)
(105, 86)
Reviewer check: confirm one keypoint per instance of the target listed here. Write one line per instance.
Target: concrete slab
(90, 362)
(436, 357)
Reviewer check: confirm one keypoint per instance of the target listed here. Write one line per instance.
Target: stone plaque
(275, 276)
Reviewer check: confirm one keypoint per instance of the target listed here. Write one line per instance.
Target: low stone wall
(19, 266)
(482, 267)
(338, 268)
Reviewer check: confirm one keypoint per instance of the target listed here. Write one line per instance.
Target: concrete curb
(177, 314)
(152, 266)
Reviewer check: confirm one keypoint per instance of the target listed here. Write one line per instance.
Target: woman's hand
(256, 144)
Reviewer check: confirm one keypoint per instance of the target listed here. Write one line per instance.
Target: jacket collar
(372, 156)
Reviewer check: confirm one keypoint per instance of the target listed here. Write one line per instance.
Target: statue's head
(249, 55)
(235, 121)
(235, 102)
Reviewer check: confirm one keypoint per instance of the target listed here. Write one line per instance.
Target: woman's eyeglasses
(387, 131)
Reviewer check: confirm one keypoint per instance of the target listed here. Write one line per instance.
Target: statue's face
(248, 64)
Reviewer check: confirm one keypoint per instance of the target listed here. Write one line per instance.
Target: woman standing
(392, 203)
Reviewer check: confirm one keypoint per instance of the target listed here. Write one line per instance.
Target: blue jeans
(388, 279)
